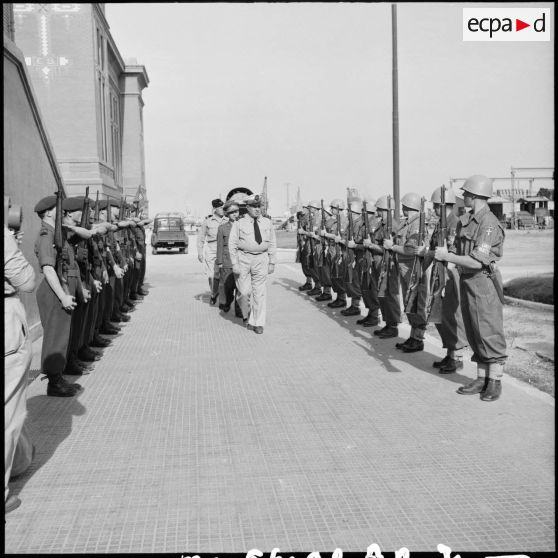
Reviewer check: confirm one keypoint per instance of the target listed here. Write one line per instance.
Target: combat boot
(306, 287)
(441, 363)
(492, 391)
(323, 297)
(351, 311)
(88, 355)
(414, 346)
(388, 332)
(338, 303)
(315, 291)
(451, 366)
(59, 387)
(405, 343)
(476, 386)
(142, 292)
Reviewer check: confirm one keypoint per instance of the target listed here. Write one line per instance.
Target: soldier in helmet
(352, 283)
(313, 238)
(479, 244)
(368, 282)
(451, 328)
(303, 221)
(406, 239)
(390, 302)
(207, 246)
(336, 227)
(324, 255)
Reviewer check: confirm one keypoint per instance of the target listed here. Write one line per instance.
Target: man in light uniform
(252, 247)
(207, 246)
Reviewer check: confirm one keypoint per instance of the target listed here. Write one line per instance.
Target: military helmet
(437, 196)
(412, 201)
(355, 205)
(382, 203)
(315, 204)
(370, 204)
(338, 203)
(478, 185)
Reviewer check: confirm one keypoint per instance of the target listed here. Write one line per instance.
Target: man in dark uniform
(365, 269)
(56, 300)
(323, 255)
(479, 244)
(406, 239)
(337, 223)
(305, 247)
(450, 328)
(227, 286)
(390, 302)
(352, 287)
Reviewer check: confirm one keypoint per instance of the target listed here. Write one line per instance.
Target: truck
(168, 232)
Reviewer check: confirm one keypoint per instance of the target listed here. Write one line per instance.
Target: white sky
(302, 93)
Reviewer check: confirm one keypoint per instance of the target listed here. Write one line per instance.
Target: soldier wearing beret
(253, 248)
(55, 299)
(207, 246)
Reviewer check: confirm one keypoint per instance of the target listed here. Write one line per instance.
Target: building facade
(90, 97)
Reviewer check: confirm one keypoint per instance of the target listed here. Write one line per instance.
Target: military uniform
(481, 236)
(17, 360)
(352, 279)
(227, 286)
(313, 267)
(407, 236)
(334, 257)
(252, 257)
(207, 246)
(451, 327)
(303, 253)
(390, 300)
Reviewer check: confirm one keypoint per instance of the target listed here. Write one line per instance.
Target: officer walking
(479, 244)
(253, 248)
(227, 284)
(207, 246)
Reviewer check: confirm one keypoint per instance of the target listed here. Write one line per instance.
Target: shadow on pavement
(381, 349)
(49, 420)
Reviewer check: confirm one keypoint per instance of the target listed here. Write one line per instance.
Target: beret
(46, 203)
(73, 203)
(217, 203)
(254, 200)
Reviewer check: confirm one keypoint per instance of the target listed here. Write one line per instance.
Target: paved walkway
(194, 434)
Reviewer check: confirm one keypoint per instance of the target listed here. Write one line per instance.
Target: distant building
(89, 97)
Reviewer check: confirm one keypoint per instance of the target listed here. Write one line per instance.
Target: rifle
(438, 277)
(388, 258)
(311, 260)
(411, 296)
(82, 249)
(59, 240)
(349, 254)
(97, 209)
(367, 260)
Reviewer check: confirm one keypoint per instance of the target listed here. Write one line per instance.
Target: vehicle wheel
(154, 251)
(182, 250)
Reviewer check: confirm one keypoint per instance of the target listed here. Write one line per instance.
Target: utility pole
(395, 108)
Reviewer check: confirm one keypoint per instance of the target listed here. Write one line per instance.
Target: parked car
(168, 232)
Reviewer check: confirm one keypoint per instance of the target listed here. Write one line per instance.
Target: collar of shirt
(478, 216)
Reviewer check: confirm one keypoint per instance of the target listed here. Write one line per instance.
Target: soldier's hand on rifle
(367, 242)
(351, 244)
(419, 250)
(323, 232)
(339, 240)
(118, 271)
(105, 276)
(86, 294)
(441, 254)
(68, 302)
(98, 285)
(270, 268)
(388, 244)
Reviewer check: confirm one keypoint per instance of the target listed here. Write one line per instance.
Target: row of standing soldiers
(447, 278)
(92, 256)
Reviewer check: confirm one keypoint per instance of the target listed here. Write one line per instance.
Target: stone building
(90, 97)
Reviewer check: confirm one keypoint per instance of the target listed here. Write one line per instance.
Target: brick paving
(194, 434)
